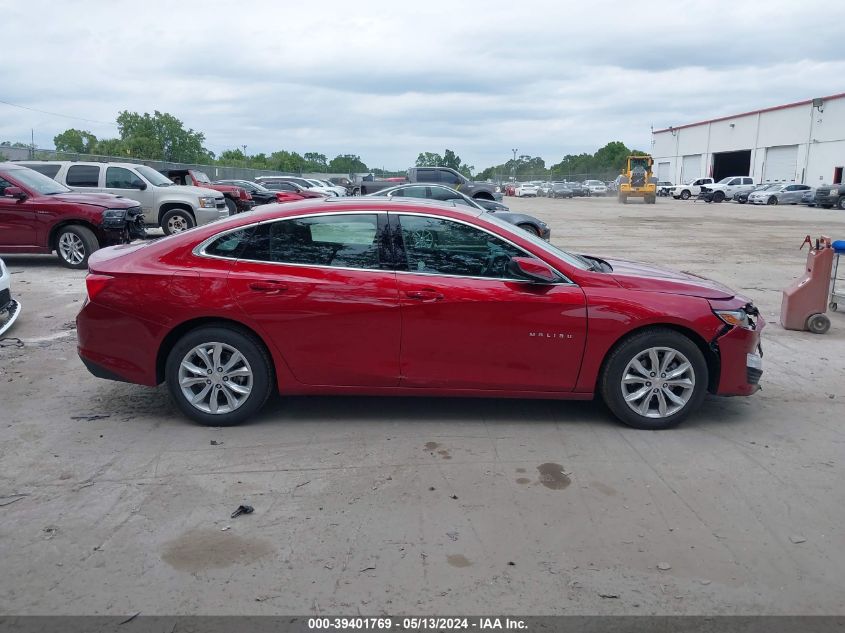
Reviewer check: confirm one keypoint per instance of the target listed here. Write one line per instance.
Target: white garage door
(663, 172)
(781, 164)
(691, 168)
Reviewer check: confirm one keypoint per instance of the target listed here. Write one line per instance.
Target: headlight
(208, 202)
(114, 214)
(498, 190)
(735, 318)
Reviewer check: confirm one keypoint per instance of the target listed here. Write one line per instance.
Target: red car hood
(637, 276)
(106, 200)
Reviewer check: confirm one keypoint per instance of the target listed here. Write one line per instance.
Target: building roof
(736, 116)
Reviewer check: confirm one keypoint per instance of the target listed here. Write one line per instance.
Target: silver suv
(174, 208)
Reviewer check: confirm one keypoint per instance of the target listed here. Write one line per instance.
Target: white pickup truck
(691, 189)
(727, 187)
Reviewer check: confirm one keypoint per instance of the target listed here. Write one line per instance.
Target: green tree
(429, 159)
(161, 136)
(110, 147)
(347, 164)
(77, 141)
(314, 162)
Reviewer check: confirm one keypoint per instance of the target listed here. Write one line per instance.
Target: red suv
(393, 296)
(38, 215)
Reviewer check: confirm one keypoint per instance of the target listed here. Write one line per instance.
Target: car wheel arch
(55, 230)
(169, 206)
(483, 195)
(710, 353)
(176, 333)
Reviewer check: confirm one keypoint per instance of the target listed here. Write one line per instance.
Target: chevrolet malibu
(406, 297)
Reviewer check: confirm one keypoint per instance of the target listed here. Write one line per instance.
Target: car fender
(612, 316)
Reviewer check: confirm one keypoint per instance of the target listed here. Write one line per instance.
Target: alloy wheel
(177, 224)
(658, 382)
(71, 248)
(215, 378)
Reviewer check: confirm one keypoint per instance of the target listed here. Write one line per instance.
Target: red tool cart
(806, 300)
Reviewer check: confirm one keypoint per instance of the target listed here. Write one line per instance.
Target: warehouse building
(801, 142)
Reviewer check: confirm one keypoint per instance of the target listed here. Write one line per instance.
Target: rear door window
(83, 176)
(344, 240)
(48, 170)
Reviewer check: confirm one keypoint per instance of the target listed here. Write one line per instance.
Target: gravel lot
(423, 506)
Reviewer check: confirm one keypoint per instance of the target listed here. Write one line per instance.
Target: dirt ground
(424, 506)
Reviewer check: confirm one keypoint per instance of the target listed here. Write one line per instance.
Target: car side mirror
(140, 186)
(15, 192)
(532, 270)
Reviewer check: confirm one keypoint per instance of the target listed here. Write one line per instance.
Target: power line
(65, 116)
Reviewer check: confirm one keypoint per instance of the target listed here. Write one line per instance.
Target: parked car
(390, 296)
(303, 183)
(351, 188)
(291, 187)
(742, 196)
(260, 194)
(664, 188)
(10, 309)
(526, 189)
(544, 189)
(337, 189)
(828, 196)
(690, 189)
(442, 193)
(438, 176)
(237, 198)
(781, 193)
(174, 208)
(727, 187)
(560, 190)
(596, 187)
(509, 189)
(579, 189)
(39, 215)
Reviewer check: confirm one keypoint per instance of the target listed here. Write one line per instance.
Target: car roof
(78, 162)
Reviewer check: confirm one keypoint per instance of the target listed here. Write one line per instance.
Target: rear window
(83, 176)
(48, 170)
(231, 244)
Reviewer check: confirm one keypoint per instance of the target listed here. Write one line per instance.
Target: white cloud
(388, 81)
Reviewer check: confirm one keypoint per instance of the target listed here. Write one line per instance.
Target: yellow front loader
(636, 181)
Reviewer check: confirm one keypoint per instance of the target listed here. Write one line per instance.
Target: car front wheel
(685, 195)
(176, 221)
(219, 376)
(74, 245)
(654, 379)
(841, 203)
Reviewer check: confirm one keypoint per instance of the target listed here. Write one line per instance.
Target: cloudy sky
(388, 80)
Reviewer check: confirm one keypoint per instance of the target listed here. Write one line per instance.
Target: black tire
(772, 201)
(530, 228)
(718, 196)
(841, 203)
(74, 245)
(826, 206)
(742, 200)
(230, 204)
(818, 323)
(685, 194)
(176, 221)
(243, 342)
(611, 385)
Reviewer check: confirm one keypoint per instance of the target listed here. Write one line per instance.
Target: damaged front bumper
(122, 228)
(740, 352)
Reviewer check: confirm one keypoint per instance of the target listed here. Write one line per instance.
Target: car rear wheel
(176, 221)
(529, 228)
(219, 376)
(230, 204)
(654, 379)
(74, 245)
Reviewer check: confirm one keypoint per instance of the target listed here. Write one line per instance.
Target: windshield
(201, 176)
(38, 182)
(512, 229)
(156, 179)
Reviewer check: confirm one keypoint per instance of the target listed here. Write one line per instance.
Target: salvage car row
(743, 189)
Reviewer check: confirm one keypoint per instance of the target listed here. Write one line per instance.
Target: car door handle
(424, 295)
(269, 286)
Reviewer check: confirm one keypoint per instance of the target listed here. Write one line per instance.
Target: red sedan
(403, 297)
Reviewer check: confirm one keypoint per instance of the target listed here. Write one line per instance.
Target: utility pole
(31, 144)
(514, 163)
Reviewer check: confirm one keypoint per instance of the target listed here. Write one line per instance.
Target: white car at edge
(596, 187)
(9, 308)
(527, 189)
